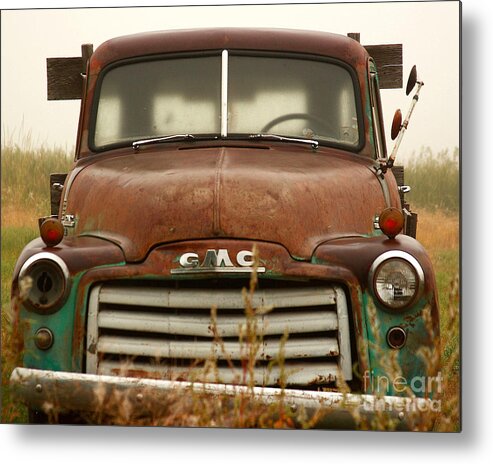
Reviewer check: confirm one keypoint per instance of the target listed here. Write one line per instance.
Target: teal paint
(403, 371)
(61, 323)
(60, 356)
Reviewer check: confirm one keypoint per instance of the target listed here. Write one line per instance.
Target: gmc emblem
(217, 261)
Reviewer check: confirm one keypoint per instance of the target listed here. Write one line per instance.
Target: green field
(25, 197)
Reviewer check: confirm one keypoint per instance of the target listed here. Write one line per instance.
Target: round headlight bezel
(408, 259)
(58, 269)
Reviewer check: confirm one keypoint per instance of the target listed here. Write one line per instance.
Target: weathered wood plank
(87, 50)
(398, 172)
(412, 225)
(64, 75)
(388, 59)
(354, 35)
(64, 78)
(56, 193)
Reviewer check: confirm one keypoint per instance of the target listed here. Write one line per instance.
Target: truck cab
(221, 177)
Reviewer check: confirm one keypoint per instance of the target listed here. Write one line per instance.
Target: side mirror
(396, 124)
(411, 81)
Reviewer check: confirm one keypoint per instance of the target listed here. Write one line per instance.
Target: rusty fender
(40, 389)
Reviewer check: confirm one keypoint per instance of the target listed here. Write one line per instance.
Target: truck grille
(169, 333)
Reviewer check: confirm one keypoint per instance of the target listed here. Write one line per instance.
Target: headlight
(396, 278)
(47, 279)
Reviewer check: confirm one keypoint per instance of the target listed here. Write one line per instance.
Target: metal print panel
(257, 225)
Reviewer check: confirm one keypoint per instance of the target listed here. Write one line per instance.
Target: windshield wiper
(168, 138)
(280, 138)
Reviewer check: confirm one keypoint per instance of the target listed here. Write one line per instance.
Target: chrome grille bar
(190, 349)
(157, 297)
(226, 325)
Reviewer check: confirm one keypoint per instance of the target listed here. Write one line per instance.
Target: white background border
(52, 444)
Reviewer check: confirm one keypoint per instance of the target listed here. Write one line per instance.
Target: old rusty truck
(205, 158)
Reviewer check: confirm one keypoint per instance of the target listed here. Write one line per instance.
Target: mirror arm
(404, 126)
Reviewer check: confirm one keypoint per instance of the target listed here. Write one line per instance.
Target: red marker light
(391, 221)
(51, 231)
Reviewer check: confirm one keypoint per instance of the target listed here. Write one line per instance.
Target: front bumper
(102, 395)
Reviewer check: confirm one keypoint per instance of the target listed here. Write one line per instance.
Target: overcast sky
(429, 32)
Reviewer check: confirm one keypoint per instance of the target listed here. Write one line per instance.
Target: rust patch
(225, 192)
(137, 373)
(322, 379)
(411, 319)
(92, 348)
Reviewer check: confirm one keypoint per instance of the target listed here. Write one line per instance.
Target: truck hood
(291, 196)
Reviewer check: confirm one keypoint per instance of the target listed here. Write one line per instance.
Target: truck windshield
(239, 96)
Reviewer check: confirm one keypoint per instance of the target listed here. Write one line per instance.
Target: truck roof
(286, 40)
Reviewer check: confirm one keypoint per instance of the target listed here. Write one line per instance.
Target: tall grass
(435, 196)
(438, 231)
(26, 175)
(25, 197)
(434, 178)
(13, 240)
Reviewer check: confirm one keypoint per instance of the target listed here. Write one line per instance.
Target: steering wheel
(309, 117)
